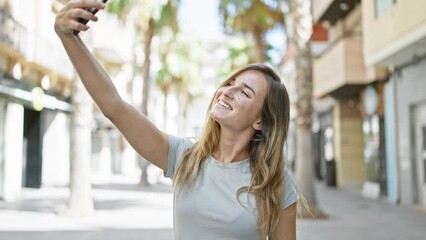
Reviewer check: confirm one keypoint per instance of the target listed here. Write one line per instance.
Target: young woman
(232, 183)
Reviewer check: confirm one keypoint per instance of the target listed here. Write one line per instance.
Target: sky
(201, 18)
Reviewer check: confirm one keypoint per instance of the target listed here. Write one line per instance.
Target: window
(423, 153)
(382, 6)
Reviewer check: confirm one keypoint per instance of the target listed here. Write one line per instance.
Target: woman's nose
(229, 91)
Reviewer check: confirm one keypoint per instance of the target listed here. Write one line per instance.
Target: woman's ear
(257, 125)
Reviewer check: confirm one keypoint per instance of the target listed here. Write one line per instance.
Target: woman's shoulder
(180, 143)
(290, 189)
(289, 178)
(174, 139)
(177, 147)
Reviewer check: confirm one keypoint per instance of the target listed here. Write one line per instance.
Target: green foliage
(242, 16)
(120, 7)
(180, 63)
(251, 17)
(168, 15)
(240, 53)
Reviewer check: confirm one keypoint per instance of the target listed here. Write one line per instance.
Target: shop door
(33, 145)
(2, 137)
(420, 130)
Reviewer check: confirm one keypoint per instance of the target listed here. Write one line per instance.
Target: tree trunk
(302, 30)
(166, 94)
(185, 99)
(80, 202)
(149, 34)
(146, 68)
(259, 46)
(134, 62)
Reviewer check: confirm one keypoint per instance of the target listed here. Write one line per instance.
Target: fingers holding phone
(85, 20)
(75, 15)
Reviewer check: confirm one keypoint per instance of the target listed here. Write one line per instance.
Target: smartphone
(84, 21)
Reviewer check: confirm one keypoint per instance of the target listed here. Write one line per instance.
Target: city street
(126, 211)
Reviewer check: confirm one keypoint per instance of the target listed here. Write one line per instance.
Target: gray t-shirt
(210, 208)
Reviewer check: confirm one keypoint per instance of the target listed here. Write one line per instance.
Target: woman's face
(237, 104)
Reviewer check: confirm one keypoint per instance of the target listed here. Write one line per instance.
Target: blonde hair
(265, 150)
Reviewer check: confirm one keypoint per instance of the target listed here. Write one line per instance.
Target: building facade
(373, 69)
(35, 104)
(395, 38)
(37, 83)
(349, 102)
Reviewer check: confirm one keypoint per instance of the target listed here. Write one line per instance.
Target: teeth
(225, 105)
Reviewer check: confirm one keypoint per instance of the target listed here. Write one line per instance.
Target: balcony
(331, 11)
(12, 36)
(37, 56)
(340, 71)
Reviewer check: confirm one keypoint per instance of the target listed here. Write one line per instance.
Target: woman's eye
(243, 92)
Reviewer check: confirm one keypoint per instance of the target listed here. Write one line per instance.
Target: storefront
(34, 137)
(407, 90)
(373, 128)
(2, 154)
(420, 151)
(323, 151)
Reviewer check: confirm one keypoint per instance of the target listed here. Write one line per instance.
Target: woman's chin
(216, 116)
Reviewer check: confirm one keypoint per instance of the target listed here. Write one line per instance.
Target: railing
(32, 46)
(12, 33)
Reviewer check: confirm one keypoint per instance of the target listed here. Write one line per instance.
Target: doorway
(33, 146)
(2, 152)
(420, 135)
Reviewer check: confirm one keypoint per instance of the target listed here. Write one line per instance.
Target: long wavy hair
(265, 151)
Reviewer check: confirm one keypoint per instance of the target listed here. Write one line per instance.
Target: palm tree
(148, 17)
(165, 81)
(165, 78)
(80, 202)
(180, 59)
(239, 54)
(254, 17)
(300, 33)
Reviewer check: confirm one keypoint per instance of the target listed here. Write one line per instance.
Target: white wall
(14, 131)
(56, 151)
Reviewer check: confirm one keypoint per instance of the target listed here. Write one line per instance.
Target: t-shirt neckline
(239, 164)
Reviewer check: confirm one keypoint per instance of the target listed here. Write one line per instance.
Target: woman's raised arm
(145, 138)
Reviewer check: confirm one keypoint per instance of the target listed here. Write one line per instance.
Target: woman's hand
(67, 19)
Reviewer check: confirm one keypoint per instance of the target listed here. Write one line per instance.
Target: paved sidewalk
(127, 211)
(353, 217)
(123, 211)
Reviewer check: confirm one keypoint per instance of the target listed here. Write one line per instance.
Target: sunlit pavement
(351, 216)
(125, 210)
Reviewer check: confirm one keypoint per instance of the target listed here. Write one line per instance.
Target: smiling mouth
(224, 104)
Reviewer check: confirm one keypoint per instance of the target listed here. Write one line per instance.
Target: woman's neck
(232, 148)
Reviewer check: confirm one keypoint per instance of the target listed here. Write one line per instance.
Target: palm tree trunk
(302, 24)
(166, 95)
(80, 202)
(134, 68)
(259, 46)
(149, 34)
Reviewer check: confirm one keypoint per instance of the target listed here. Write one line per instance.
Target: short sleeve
(290, 194)
(177, 146)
